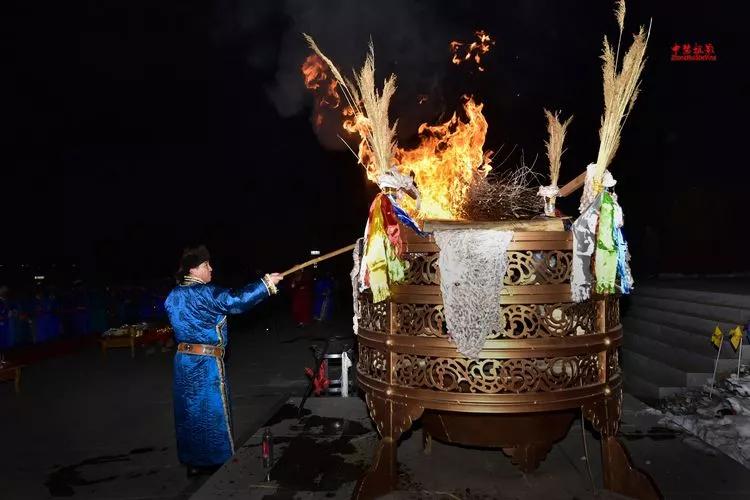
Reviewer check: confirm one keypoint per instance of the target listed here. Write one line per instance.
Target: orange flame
(357, 123)
(319, 80)
(464, 52)
(445, 162)
(448, 158)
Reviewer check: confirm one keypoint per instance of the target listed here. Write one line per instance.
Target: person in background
(80, 311)
(301, 286)
(20, 318)
(46, 322)
(324, 287)
(5, 332)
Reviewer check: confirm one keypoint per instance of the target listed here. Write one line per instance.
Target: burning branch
(380, 135)
(319, 81)
(370, 113)
(509, 195)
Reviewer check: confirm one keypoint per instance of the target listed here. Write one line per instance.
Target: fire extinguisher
(267, 449)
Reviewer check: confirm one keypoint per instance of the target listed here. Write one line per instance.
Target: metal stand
(318, 362)
(341, 385)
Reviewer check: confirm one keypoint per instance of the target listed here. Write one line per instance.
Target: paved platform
(323, 454)
(90, 428)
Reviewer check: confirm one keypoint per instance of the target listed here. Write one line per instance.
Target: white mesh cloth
(584, 245)
(472, 265)
(355, 283)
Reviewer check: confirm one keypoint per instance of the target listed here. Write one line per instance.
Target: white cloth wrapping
(355, 283)
(472, 266)
(548, 191)
(584, 245)
(588, 186)
(393, 179)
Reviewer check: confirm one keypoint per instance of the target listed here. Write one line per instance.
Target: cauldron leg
(392, 420)
(620, 476)
(381, 477)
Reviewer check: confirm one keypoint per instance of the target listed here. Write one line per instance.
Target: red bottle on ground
(267, 448)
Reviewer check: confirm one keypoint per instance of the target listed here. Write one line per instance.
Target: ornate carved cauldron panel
(521, 321)
(496, 376)
(536, 308)
(529, 267)
(372, 316)
(538, 267)
(372, 363)
(612, 315)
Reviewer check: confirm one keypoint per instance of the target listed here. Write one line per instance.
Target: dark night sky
(134, 127)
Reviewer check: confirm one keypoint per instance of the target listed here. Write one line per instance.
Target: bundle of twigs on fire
(447, 176)
(372, 122)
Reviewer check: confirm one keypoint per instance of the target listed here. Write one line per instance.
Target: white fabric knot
(548, 191)
(393, 179)
(396, 180)
(607, 180)
(589, 191)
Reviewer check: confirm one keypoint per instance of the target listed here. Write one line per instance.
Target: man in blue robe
(198, 313)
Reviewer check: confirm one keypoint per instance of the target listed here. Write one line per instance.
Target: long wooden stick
(572, 185)
(310, 262)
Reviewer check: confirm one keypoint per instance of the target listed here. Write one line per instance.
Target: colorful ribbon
(383, 249)
(605, 258)
(404, 218)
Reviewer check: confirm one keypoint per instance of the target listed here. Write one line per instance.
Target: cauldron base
(551, 360)
(526, 438)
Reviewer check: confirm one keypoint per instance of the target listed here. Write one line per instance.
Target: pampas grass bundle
(370, 107)
(554, 145)
(380, 136)
(620, 91)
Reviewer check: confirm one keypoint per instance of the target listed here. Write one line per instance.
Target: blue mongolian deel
(203, 419)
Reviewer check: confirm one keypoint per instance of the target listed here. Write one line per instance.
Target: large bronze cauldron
(553, 359)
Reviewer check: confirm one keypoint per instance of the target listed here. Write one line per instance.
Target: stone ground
(92, 428)
(321, 456)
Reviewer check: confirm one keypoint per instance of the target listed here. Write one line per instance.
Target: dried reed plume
(620, 14)
(555, 143)
(346, 86)
(378, 135)
(620, 92)
(508, 195)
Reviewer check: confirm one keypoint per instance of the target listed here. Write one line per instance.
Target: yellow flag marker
(736, 337)
(717, 337)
